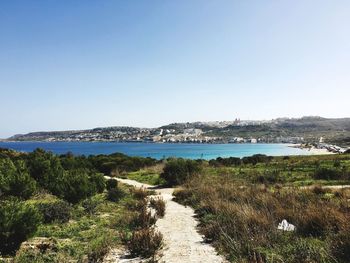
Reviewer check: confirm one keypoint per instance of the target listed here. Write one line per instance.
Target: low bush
(177, 171)
(18, 221)
(140, 193)
(159, 205)
(56, 211)
(39, 250)
(114, 194)
(144, 218)
(98, 248)
(185, 196)
(318, 190)
(231, 161)
(257, 158)
(145, 242)
(76, 186)
(341, 246)
(15, 179)
(98, 182)
(111, 183)
(328, 174)
(318, 222)
(268, 177)
(302, 250)
(90, 206)
(117, 162)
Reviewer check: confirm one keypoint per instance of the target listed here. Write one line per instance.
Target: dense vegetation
(66, 209)
(240, 203)
(65, 204)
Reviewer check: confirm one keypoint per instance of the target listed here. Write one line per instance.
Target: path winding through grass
(182, 242)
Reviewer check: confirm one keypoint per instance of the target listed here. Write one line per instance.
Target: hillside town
(319, 132)
(198, 132)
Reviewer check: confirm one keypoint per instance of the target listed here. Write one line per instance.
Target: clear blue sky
(82, 64)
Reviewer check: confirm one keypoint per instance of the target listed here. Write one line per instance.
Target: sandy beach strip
(311, 150)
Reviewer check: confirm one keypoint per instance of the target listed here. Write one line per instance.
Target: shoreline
(312, 150)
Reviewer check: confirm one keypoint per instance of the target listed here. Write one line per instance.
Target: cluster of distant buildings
(235, 131)
(189, 135)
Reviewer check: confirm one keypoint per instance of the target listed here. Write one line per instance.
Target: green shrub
(118, 162)
(308, 250)
(39, 250)
(257, 158)
(90, 205)
(46, 169)
(111, 183)
(327, 174)
(56, 211)
(76, 186)
(269, 177)
(231, 161)
(114, 194)
(185, 197)
(177, 171)
(98, 248)
(18, 221)
(15, 179)
(98, 182)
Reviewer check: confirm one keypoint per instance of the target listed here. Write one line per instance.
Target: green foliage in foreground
(15, 179)
(18, 221)
(62, 198)
(95, 226)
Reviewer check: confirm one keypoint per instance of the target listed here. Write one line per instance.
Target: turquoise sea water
(157, 150)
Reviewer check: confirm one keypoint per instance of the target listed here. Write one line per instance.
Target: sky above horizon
(84, 64)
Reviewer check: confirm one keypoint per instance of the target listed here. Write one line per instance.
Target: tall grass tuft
(159, 205)
(145, 242)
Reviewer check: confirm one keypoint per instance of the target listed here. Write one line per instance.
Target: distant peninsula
(282, 130)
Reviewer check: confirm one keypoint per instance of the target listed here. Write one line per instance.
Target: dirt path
(182, 242)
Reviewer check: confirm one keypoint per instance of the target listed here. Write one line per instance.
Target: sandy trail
(182, 242)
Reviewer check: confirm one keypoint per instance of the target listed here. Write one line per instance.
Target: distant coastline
(160, 150)
(319, 149)
(305, 130)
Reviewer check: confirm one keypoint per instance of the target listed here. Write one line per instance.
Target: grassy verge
(240, 207)
(95, 226)
(146, 177)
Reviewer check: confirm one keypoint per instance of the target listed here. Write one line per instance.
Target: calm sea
(157, 150)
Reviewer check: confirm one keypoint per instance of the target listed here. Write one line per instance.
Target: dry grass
(145, 242)
(156, 169)
(140, 193)
(242, 221)
(159, 205)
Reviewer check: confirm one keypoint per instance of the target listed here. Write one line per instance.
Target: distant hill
(309, 129)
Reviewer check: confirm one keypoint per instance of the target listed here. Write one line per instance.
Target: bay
(158, 150)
